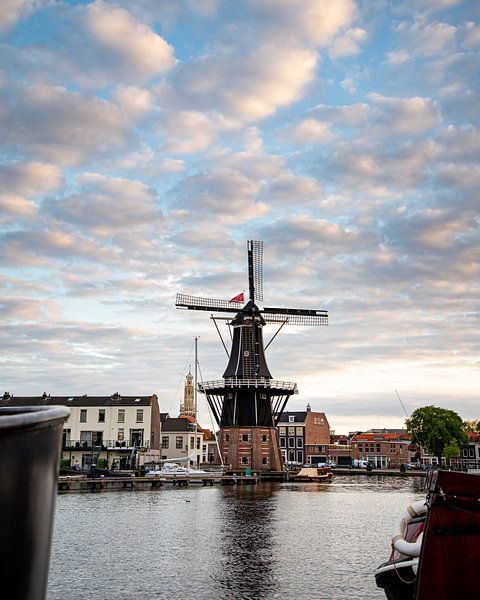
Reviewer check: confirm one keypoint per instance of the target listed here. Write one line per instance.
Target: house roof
(181, 425)
(299, 417)
(381, 437)
(47, 400)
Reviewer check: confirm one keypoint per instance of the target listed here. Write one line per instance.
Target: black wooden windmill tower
(247, 402)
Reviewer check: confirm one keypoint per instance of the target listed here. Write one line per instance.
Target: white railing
(260, 382)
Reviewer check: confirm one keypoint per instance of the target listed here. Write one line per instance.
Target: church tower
(187, 407)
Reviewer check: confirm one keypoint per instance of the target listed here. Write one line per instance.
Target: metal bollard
(30, 445)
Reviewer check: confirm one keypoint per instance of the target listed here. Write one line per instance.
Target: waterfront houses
(116, 432)
(182, 439)
(304, 436)
(382, 448)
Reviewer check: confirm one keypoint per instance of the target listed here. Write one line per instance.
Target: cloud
(303, 21)
(349, 85)
(107, 205)
(30, 178)
(21, 309)
(19, 182)
(42, 248)
(126, 47)
(101, 44)
(221, 194)
(247, 86)
(347, 44)
(189, 131)
(471, 36)
(308, 131)
(13, 10)
(53, 124)
(427, 38)
(408, 116)
(134, 101)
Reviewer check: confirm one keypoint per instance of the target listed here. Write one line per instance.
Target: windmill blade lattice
(255, 270)
(295, 316)
(210, 304)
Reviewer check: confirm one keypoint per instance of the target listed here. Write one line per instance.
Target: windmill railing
(260, 382)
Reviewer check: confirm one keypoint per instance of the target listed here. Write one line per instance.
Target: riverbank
(80, 484)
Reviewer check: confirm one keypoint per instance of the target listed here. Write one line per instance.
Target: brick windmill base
(254, 447)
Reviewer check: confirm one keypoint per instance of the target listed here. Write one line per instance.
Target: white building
(111, 431)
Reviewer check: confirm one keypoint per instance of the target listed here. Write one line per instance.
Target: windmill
(248, 402)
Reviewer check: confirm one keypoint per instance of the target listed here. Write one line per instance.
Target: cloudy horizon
(144, 142)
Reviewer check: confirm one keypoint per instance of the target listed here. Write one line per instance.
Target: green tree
(434, 427)
(451, 450)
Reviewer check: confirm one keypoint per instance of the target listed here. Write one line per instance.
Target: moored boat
(172, 471)
(314, 474)
(436, 542)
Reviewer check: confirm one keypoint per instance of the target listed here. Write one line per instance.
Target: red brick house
(382, 448)
(304, 436)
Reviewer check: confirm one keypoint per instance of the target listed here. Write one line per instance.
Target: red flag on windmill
(238, 298)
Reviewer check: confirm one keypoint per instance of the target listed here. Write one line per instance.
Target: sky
(144, 142)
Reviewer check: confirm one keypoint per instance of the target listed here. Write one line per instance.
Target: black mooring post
(30, 445)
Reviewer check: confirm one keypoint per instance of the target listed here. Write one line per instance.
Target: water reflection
(266, 541)
(244, 567)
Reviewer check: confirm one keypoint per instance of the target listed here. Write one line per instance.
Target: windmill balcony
(260, 382)
(103, 445)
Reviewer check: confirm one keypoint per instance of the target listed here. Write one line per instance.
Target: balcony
(99, 445)
(259, 382)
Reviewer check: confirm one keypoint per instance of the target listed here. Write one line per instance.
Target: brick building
(382, 448)
(304, 436)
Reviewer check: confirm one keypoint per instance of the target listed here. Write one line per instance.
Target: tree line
(441, 432)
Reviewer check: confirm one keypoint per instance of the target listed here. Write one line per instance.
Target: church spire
(187, 407)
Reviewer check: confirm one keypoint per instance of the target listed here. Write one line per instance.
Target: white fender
(398, 534)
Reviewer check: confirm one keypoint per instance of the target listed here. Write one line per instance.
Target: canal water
(267, 541)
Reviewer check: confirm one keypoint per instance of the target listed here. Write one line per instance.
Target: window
(318, 420)
(245, 437)
(360, 448)
(291, 418)
(378, 447)
(265, 460)
(264, 438)
(83, 415)
(299, 443)
(291, 442)
(291, 431)
(178, 442)
(165, 441)
(299, 430)
(282, 430)
(121, 435)
(227, 437)
(121, 415)
(101, 415)
(245, 460)
(282, 442)
(192, 443)
(139, 415)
